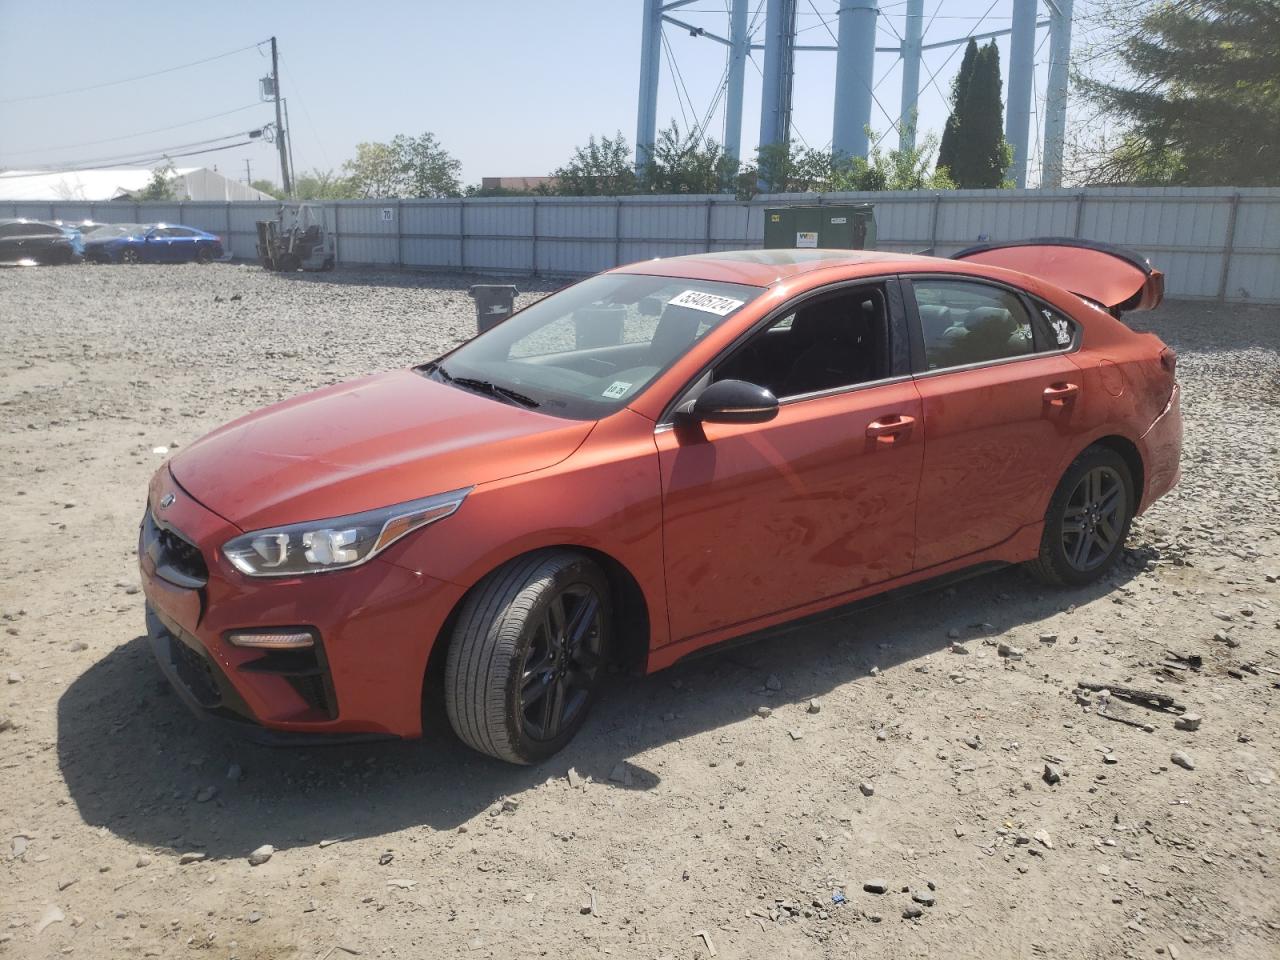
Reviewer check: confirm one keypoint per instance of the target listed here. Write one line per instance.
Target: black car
(34, 241)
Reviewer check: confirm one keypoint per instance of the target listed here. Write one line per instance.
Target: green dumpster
(830, 226)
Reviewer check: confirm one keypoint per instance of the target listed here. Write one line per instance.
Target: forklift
(300, 238)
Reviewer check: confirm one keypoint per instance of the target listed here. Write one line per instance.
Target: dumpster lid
(1112, 276)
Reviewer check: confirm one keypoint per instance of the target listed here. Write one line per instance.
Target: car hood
(1117, 278)
(364, 444)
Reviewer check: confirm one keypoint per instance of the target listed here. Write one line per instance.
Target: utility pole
(248, 172)
(281, 133)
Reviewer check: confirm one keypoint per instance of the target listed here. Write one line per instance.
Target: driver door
(767, 518)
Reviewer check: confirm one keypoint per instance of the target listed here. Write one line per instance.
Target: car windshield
(105, 231)
(590, 349)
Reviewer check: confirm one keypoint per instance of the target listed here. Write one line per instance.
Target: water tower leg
(1055, 108)
(737, 70)
(855, 63)
(775, 91)
(647, 110)
(911, 40)
(1017, 117)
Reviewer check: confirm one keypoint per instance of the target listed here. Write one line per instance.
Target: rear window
(966, 323)
(590, 349)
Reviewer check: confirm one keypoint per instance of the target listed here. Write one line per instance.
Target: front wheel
(1087, 521)
(527, 654)
(129, 256)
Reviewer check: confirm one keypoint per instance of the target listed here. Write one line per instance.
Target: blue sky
(508, 86)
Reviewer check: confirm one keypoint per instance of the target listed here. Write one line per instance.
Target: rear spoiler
(1110, 276)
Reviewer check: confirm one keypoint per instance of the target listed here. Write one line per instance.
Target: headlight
(335, 544)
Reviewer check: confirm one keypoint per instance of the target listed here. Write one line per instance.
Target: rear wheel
(204, 254)
(527, 654)
(1087, 521)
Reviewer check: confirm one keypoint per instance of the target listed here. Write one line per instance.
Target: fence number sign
(807, 238)
(388, 214)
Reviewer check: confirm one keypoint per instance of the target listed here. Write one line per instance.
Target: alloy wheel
(1094, 518)
(561, 662)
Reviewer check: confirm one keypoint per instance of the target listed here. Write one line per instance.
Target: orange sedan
(659, 458)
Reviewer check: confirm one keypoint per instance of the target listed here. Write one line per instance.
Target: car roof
(762, 268)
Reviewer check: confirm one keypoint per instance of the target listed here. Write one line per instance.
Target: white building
(94, 186)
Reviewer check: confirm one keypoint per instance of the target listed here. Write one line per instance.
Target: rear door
(1000, 396)
(182, 243)
(764, 518)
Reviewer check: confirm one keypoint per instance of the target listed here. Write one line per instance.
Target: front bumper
(375, 627)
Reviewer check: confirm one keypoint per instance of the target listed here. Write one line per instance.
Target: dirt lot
(689, 814)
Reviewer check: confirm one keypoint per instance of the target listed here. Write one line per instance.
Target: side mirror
(734, 401)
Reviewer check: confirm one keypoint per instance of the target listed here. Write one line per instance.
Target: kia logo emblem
(167, 500)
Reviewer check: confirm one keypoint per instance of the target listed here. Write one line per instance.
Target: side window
(832, 341)
(965, 322)
(1057, 330)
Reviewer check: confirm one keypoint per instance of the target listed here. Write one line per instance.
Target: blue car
(151, 243)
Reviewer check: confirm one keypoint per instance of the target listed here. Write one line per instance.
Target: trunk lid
(1114, 277)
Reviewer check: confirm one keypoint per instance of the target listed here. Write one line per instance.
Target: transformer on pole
(1022, 51)
(647, 111)
(1055, 101)
(855, 63)
(912, 38)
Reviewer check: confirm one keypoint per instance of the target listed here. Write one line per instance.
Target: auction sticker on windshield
(617, 389)
(706, 302)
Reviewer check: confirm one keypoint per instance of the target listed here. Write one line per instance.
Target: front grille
(176, 559)
(195, 672)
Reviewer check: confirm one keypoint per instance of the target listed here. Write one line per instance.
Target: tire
(1087, 521)
(204, 255)
(129, 256)
(495, 702)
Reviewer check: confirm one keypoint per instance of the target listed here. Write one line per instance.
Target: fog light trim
(285, 638)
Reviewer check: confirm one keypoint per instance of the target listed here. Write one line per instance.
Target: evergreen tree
(959, 90)
(978, 153)
(1203, 107)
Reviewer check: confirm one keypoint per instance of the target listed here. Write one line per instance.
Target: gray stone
(868, 789)
(875, 886)
(1052, 773)
(1007, 650)
(764, 712)
(1188, 721)
(1183, 760)
(958, 647)
(260, 856)
(207, 794)
(912, 912)
(814, 706)
(13, 677)
(925, 897)
(191, 858)
(234, 772)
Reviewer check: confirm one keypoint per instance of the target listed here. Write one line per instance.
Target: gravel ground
(690, 825)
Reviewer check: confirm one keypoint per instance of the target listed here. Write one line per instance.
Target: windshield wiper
(485, 386)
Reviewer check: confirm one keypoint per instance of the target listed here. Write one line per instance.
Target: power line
(126, 163)
(141, 76)
(126, 158)
(130, 136)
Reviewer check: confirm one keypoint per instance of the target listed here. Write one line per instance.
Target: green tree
(959, 92)
(160, 186)
(269, 188)
(324, 185)
(407, 167)
(601, 168)
(899, 169)
(973, 148)
(1199, 98)
(687, 163)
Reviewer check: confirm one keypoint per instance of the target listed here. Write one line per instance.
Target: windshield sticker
(706, 302)
(616, 390)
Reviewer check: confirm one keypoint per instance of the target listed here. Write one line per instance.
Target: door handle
(1059, 393)
(887, 429)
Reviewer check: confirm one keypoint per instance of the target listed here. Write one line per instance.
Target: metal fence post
(533, 253)
(1079, 215)
(231, 247)
(708, 230)
(462, 235)
(1229, 249)
(400, 233)
(933, 223)
(337, 234)
(617, 232)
